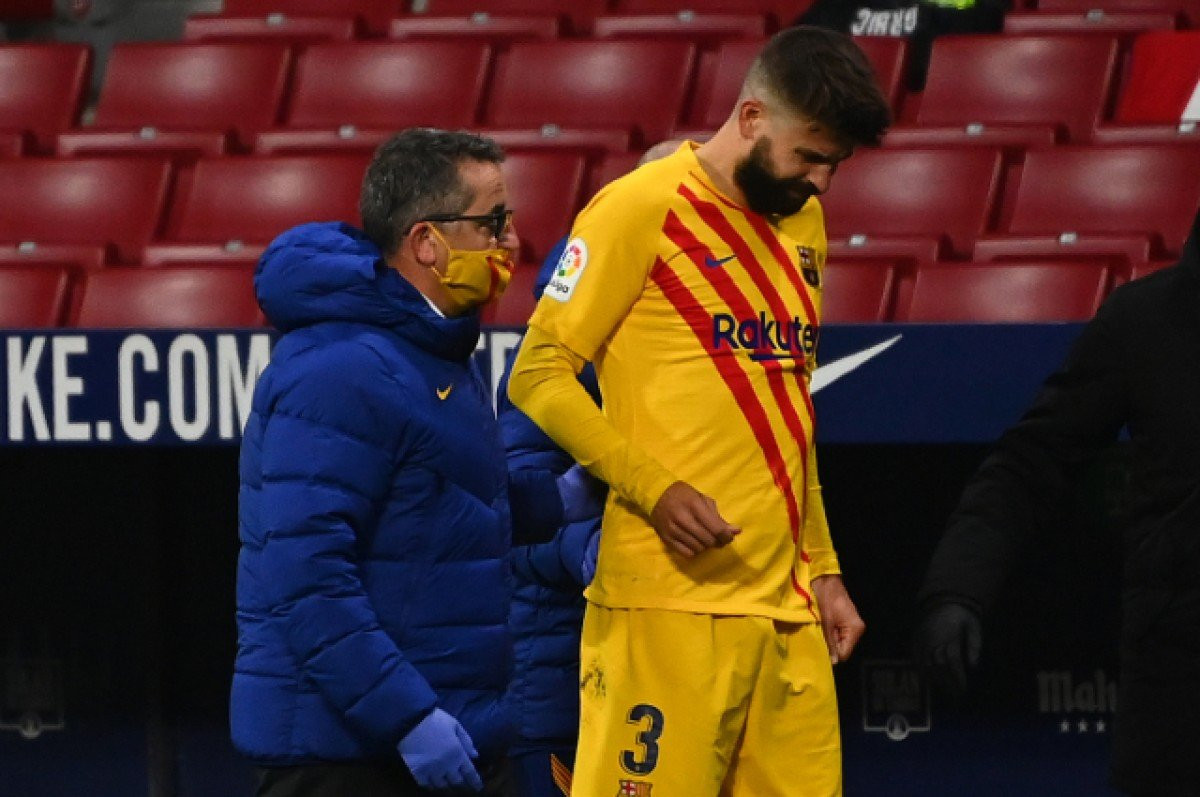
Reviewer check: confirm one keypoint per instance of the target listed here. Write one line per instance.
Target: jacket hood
(332, 272)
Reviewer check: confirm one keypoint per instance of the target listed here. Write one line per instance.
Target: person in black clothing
(1135, 366)
(918, 21)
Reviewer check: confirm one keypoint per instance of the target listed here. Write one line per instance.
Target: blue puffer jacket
(548, 604)
(373, 582)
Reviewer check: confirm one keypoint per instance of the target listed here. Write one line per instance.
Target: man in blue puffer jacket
(373, 583)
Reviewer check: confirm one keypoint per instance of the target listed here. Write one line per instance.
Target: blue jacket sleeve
(329, 449)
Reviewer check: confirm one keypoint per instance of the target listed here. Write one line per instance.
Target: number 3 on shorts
(647, 739)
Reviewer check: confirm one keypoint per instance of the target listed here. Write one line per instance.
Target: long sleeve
(817, 542)
(544, 386)
(1080, 409)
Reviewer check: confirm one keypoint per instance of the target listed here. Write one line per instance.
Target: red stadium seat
(781, 11)
(857, 291)
(255, 199)
(1059, 81)
(905, 249)
(1008, 293)
(516, 305)
(1117, 249)
(719, 76)
(1091, 21)
(1109, 191)
(42, 88)
(12, 145)
(271, 27)
(592, 141)
(592, 84)
(1146, 269)
(389, 85)
(33, 297)
(889, 58)
(116, 202)
(194, 87)
(1181, 133)
(488, 27)
(944, 195)
(191, 296)
(704, 29)
(353, 97)
(373, 14)
(1189, 10)
(23, 10)
(580, 13)
(1014, 139)
(1164, 73)
(231, 253)
(612, 166)
(179, 145)
(79, 257)
(544, 189)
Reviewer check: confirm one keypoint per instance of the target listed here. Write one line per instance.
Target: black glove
(947, 643)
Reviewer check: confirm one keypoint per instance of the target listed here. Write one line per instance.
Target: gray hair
(414, 174)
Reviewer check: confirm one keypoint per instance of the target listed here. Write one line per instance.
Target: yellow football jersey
(702, 320)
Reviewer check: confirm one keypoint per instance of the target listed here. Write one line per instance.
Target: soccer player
(694, 285)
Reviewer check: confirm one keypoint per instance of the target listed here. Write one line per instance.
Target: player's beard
(766, 194)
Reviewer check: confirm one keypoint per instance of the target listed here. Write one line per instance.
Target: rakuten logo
(766, 338)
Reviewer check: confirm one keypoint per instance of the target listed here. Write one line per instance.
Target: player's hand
(839, 619)
(688, 521)
(948, 642)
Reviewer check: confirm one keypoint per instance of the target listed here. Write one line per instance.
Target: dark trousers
(1156, 741)
(364, 780)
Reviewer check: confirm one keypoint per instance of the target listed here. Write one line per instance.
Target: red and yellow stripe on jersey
(701, 319)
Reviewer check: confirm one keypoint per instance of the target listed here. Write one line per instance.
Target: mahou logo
(1081, 704)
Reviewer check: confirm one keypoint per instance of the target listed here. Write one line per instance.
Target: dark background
(118, 573)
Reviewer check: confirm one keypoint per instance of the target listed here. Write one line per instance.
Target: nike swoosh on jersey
(713, 262)
(443, 393)
(828, 374)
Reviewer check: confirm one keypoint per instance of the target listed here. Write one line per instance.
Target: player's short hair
(414, 174)
(824, 75)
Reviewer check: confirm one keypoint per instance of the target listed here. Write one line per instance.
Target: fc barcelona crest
(808, 266)
(634, 788)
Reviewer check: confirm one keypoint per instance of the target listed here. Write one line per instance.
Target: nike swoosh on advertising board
(831, 372)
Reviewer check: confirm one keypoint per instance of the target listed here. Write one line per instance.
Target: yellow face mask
(474, 277)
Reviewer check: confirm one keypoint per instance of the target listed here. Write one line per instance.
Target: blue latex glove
(582, 495)
(438, 752)
(590, 554)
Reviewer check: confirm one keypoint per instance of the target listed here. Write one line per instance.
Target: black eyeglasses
(497, 221)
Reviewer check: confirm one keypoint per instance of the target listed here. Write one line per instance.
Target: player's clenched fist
(688, 521)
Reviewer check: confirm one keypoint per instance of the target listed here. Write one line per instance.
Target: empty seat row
(188, 98)
(193, 296)
(129, 210)
(1128, 203)
(580, 15)
(704, 29)
(1041, 291)
(856, 292)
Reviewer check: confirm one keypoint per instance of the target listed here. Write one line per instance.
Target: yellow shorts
(674, 704)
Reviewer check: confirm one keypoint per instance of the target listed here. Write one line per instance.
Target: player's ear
(751, 115)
